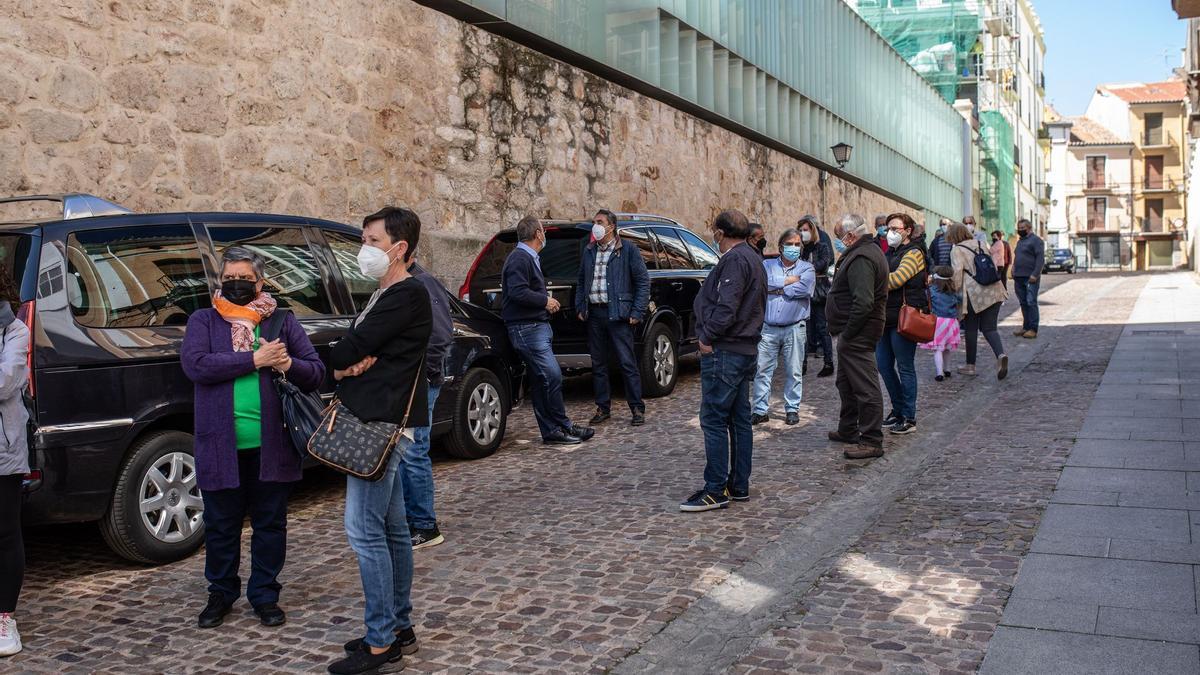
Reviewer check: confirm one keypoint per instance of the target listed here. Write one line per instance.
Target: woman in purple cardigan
(245, 463)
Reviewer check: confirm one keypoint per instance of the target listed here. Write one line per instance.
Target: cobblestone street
(579, 560)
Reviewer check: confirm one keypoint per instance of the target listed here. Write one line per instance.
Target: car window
(673, 254)
(641, 238)
(293, 277)
(564, 250)
(345, 250)
(701, 253)
(135, 276)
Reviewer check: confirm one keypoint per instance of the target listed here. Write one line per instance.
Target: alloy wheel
(169, 500)
(483, 414)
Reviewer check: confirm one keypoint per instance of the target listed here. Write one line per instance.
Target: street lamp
(841, 153)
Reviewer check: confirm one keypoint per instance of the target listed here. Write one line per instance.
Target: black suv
(678, 261)
(107, 295)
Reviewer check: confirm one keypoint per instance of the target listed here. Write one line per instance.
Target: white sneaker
(10, 639)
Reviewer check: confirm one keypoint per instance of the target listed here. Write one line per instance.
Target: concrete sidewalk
(1111, 582)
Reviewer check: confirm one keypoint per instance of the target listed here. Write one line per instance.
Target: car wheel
(480, 415)
(660, 362)
(156, 514)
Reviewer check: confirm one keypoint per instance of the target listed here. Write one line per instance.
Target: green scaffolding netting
(997, 189)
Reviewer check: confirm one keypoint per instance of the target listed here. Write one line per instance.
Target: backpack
(985, 268)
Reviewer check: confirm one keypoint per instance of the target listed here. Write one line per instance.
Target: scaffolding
(997, 189)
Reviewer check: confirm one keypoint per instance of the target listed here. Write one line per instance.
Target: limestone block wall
(331, 109)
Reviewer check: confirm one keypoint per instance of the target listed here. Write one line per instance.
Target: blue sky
(1090, 42)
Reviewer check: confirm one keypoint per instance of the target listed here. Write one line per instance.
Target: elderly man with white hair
(855, 311)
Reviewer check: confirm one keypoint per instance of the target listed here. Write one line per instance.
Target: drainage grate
(1158, 332)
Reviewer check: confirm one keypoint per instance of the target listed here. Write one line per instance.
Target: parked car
(678, 261)
(1059, 260)
(107, 295)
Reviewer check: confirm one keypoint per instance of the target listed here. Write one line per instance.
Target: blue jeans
(417, 474)
(619, 334)
(725, 418)
(897, 353)
(377, 528)
(1027, 295)
(532, 342)
(776, 342)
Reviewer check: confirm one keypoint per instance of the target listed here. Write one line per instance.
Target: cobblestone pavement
(576, 560)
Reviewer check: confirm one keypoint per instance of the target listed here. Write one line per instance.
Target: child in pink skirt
(945, 307)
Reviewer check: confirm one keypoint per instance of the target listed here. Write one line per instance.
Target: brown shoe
(1030, 335)
(839, 437)
(1019, 332)
(968, 370)
(864, 451)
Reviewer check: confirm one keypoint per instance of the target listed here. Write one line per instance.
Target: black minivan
(107, 294)
(678, 262)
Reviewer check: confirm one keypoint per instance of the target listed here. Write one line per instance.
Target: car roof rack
(74, 204)
(647, 217)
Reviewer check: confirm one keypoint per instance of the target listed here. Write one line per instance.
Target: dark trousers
(1003, 271)
(12, 546)
(1027, 295)
(224, 512)
(725, 379)
(858, 388)
(619, 334)
(818, 333)
(532, 342)
(986, 321)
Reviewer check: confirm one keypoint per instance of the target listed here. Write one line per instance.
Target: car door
(678, 277)
(644, 241)
(704, 259)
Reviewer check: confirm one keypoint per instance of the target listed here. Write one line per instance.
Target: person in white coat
(14, 459)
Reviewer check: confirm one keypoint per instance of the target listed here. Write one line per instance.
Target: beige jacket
(962, 258)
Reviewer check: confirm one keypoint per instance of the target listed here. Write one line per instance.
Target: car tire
(659, 363)
(480, 415)
(156, 514)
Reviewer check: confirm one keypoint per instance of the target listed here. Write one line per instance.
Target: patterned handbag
(361, 449)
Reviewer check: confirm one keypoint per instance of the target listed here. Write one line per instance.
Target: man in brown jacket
(855, 310)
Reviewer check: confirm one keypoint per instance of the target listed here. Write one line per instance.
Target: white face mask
(374, 262)
(894, 238)
(805, 236)
(599, 232)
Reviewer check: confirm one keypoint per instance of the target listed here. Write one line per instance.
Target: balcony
(1099, 185)
(1158, 184)
(1042, 190)
(1158, 139)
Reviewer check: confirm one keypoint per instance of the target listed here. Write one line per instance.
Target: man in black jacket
(856, 311)
(729, 314)
(526, 307)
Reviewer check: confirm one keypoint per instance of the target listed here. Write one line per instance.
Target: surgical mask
(374, 262)
(791, 252)
(839, 246)
(599, 232)
(881, 230)
(805, 236)
(239, 291)
(894, 238)
(971, 228)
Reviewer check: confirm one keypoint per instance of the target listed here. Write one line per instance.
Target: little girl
(945, 307)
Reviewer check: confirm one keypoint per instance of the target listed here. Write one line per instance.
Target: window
(1096, 172)
(641, 238)
(345, 250)
(1154, 216)
(135, 276)
(293, 277)
(701, 253)
(1154, 129)
(1096, 212)
(672, 253)
(1154, 173)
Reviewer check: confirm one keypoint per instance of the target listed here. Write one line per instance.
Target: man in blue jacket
(611, 297)
(790, 284)
(526, 306)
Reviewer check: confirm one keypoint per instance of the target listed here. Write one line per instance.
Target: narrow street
(579, 560)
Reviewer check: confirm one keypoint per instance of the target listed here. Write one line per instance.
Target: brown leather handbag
(918, 326)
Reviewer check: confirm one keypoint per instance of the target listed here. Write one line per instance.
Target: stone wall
(332, 109)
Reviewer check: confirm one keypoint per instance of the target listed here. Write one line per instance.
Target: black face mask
(761, 245)
(239, 291)
(1022, 233)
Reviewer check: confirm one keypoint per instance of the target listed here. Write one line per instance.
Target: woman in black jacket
(378, 366)
(895, 355)
(818, 252)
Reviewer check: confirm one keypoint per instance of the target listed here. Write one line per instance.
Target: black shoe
(601, 416)
(904, 427)
(738, 495)
(407, 639)
(561, 437)
(582, 433)
(215, 611)
(703, 500)
(939, 378)
(270, 615)
(947, 374)
(892, 419)
(792, 418)
(759, 419)
(362, 660)
(826, 371)
(426, 538)
(639, 418)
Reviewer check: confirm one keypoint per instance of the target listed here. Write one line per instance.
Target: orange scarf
(244, 320)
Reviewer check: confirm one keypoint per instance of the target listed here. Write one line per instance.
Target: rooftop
(1152, 92)
(1087, 131)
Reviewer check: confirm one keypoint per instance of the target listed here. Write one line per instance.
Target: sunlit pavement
(579, 560)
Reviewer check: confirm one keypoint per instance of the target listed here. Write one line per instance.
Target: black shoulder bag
(301, 410)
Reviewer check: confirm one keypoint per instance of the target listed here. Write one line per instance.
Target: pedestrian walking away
(729, 317)
(980, 306)
(416, 468)
(1029, 258)
(856, 310)
(1001, 256)
(790, 283)
(612, 297)
(246, 464)
(818, 251)
(14, 459)
(944, 301)
(896, 354)
(526, 306)
(379, 369)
